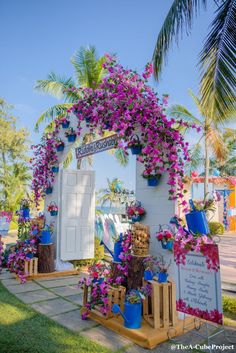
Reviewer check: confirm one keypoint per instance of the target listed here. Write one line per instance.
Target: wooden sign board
(107, 143)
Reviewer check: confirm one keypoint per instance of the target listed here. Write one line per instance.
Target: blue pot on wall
(153, 181)
(65, 125)
(53, 213)
(168, 245)
(197, 222)
(60, 148)
(55, 169)
(45, 237)
(30, 256)
(71, 138)
(136, 218)
(117, 251)
(48, 190)
(25, 212)
(136, 149)
(148, 275)
(162, 277)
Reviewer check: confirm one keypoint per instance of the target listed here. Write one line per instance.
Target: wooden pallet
(159, 309)
(31, 267)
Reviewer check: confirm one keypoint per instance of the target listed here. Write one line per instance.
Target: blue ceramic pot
(168, 245)
(153, 181)
(162, 277)
(27, 241)
(87, 120)
(117, 251)
(148, 275)
(99, 281)
(197, 222)
(71, 138)
(48, 190)
(25, 212)
(55, 169)
(136, 219)
(136, 149)
(133, 315)
(30, 256)
(60, 148)
(35, 231)
(45, 237)
(65, 125)
(53, 213)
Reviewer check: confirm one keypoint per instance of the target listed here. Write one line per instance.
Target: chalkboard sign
(199, 285)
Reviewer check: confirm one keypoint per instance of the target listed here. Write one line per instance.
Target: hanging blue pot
(25, 212)
(87, 120)
(167, 245)
(197, 222)
(60, 148)
(71, 138)
(55, 169)
(35, 232)
(27, 241)
(48, 190)
(117, 251)
(136, 218)
(98, 281)
(53, 213)
(148, 275)
(45, 237)
(136, 149)
(65, 125)
(107, 126)
(153, 180)
(162, 277)
(30, 256)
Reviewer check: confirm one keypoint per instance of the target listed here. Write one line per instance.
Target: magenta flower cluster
(1, 253)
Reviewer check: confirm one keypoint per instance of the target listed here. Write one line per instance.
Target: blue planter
(153, 181)
(168, 245)
(71, 138)
(35, 232)
(162, 277)
(48, 190)
(87, 120)
(136, 219)
(27, 241)
(53, 213)
(25, 212)
(98, 281)
(60, 148)
(148, 275)
(30, 256)
(133, 315)
(55, 169)
(65, 125)
(136, 149)
(45, 237)
(197, 222)
(117, 251)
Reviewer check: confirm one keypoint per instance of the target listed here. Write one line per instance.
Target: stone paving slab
(59, 282)
(60, 278)
(68, 290)
(78, 299)
(6, 275)
(106, 338)
(21, 288)
(73, 321)
(36, 296)
(54, 307)
(10, 282)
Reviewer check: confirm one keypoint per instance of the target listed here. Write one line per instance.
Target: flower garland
(126, 105)
(1, 253)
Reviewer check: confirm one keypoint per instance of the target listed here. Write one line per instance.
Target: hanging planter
(135, 211)
(70, 134)
(25, 212)
(197, 221)
(55, 169)
(166, 237)
(136, 218)
(48, 190)
(65, 123)
(60, 145)
(135, 145)
(52, 208)
(152, 179)
(87, 120)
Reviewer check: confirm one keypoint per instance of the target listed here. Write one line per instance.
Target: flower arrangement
(149, 262)
(166, 237)
(135, 211)
(64, 120)
(162, 265)
(25, 203)
(70, 132)
(52, 208)
(1, 253)
(48, 188)
(135, 145)
(59, 142)
(134, 297)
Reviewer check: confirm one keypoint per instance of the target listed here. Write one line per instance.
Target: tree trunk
(207, 164)
(46, 258)
(135, 272)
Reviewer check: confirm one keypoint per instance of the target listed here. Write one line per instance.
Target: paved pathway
(61, 300)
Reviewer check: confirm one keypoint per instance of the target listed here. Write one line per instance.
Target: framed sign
(199, 285)
(97, 146)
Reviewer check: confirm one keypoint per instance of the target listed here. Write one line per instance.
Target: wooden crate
(159, 310)
(115, 295)
(31, 267)
(140, 239)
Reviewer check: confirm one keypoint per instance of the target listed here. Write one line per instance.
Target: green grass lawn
(23, 330)
(229, 308)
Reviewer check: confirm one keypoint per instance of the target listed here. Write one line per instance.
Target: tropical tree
(88, 72)
(217, 58)
(114, 194)
(211, 140)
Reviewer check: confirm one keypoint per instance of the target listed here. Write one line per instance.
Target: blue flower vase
(136, 149)
(136, 219)
(48, 190)
(53, 213)
(197, 222)
(55, 169)
(65, 125)
(71, 138)
(153, 181)
(162, 277)
(60, 148)
(148, 275)
(25, 212)
(168, 245)
(45, 237)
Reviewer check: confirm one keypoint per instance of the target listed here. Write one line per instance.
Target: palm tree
(88, 72)
(211, 140)
(114, 194)
(217, 58)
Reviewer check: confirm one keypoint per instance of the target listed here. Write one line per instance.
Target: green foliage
(216, 228)
(98, 255)
(23, 230)
(229, 304)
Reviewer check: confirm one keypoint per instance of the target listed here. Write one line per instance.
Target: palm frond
(179, 111)
(52, 113)
(218, 64)
(196, 158)
(68, 159)
(216, 143)
(55, 85)
(180, 16)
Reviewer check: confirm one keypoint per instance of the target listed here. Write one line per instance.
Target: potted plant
(135, 145)
(65, 123)
(52, 208)
(152, 179)
(48, 188)
(162, 269)
(196, 219)
(46, 233)
(70, 134)
(55, 168)
(149, 263)
(25, 208)
(166, 237)
(59, 143)
(135, 211)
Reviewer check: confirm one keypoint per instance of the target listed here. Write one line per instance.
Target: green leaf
(52, 113)
(55, 85)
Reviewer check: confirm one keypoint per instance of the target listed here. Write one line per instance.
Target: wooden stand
(31, 267)
(46, 258)
(162, 311)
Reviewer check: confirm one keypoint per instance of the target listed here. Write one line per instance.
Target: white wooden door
(77, 215)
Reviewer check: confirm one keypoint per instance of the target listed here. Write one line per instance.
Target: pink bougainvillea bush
(124, 104)
(1, 253)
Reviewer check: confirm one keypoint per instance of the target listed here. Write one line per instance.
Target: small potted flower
(52, 208)
(152, 179)
(149, 263)
(65, 123)
(135, 145)
(60, 145)
(166, 237)
(25, 208)
(135, 211)
(55, 168)
(46, 233)
(70, 134)
(162, 269)
(48, 188)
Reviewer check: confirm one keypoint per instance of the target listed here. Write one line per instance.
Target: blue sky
(41, 36)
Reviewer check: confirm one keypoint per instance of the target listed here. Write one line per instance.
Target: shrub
(98, 255)
(229, 304)
(216, 228)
